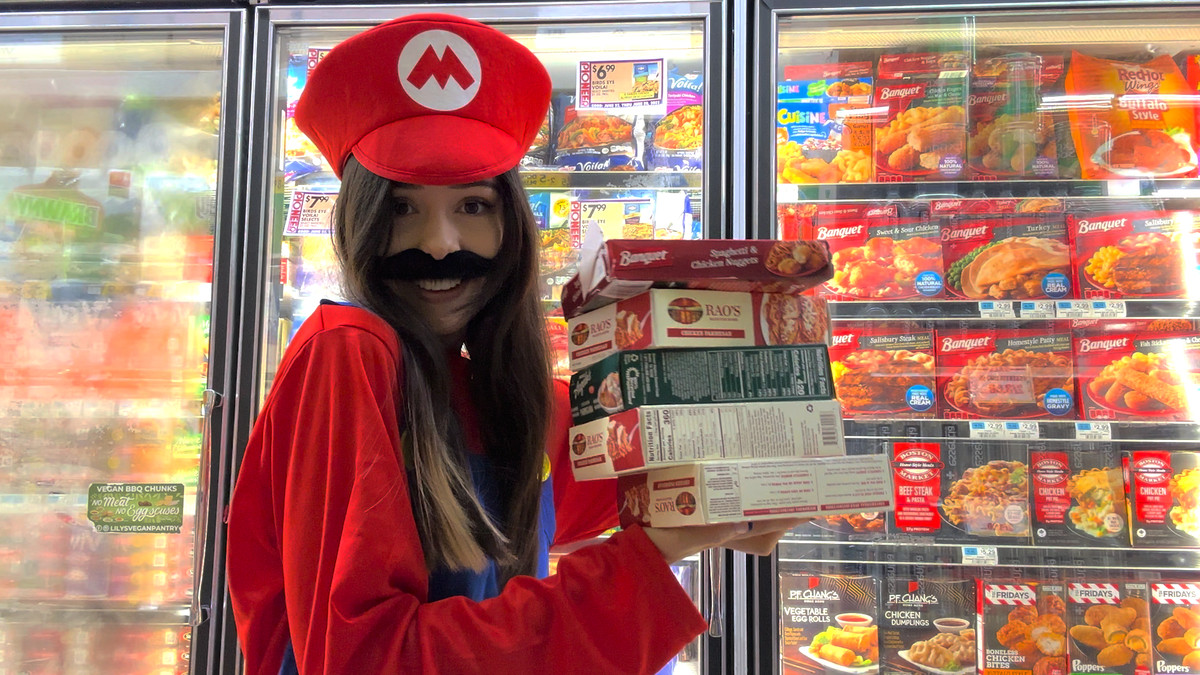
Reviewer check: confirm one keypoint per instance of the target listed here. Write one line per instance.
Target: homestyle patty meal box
(724, 492)
(650, 437)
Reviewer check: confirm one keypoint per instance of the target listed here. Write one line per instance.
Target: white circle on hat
(439, 70)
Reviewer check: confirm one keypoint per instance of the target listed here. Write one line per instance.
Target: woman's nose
(439, 236)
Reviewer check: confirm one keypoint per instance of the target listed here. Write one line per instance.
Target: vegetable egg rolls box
(923, 133)
(1023, 373)
(1174, 616)
(1078, 496)
(632, 379)
(1108, 627)
(827, 624)
(1024, 628)
(654, 436)
(1135, 254)
(926, 624)
(622, 268)
(1164, 498)
(1007, 256)
(884, 370)
(1139, 370)
(725, 492)
(691, 318)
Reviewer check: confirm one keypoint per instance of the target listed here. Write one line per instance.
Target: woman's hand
(677, 543)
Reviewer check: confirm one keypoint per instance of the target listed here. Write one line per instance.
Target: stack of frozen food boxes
(702, 382)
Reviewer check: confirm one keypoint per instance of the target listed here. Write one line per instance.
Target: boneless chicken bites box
(1136, 254)
(1024, 628)
(691, 318)
(655, 436)
(725, 492)
(1175, 620)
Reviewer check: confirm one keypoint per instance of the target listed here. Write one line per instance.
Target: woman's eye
(402, 207)
(476, 207)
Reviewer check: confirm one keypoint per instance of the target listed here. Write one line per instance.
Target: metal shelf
(90, 611)
(1025, 431)
(789, 193)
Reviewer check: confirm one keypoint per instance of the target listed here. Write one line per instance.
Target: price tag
(991, 309)
(987, 429)
(1108, 309)
(1037, 309)
(1073, 309)
(310, 213)
(1093, 431)
(546, 179)
(618, 218)
(633, 86)
(1021, 431)
(980, 555)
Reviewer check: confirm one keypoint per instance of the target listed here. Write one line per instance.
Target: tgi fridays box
(828, 624)
(1009, 615)
(622, 268)
(631, 379)
(923, 134)
(650, 437)
(1109, 627)
(927, 625)
(881, 256)
(725, 492)
(1136, 254)
(1078, 496)
(1164, 496)
(1024, 373)
(664, 317)
(884, 370)
(1175, 617)
(1143, 370)
(1006, 256)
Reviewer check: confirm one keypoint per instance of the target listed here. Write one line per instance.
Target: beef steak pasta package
(1006, 256)
(1078, 495)
(1006, 373)
(1023, 628)
(828, 624)
(1164, 495)
(1108, 626)
(820, 135)
(1138, 370)
(677, 139)
(1174, 618)
(1134, 254)
(884, 370)
(923, 133)
(927, 624)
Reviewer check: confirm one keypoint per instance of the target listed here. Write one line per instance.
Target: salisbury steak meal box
(653, 436)
(620, 268)
(828, 624)
(1164, 496)
(1078, 495)
(691, 318)
(723, 492)
(719, 375)
(884, 370)
(1109, 627)
(1175, 618)
(1137, 254)
(1006, 374)
(1023, 627)
(927, 624)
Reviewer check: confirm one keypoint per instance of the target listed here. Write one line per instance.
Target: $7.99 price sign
(310, 213)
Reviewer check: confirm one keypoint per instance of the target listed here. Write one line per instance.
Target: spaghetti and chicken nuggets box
(615, 269)
(1007, 256)
(927, 624)
(923, 134)
(630, 379)
(1143, 370)
(1078, 496)
(884, 370)
(1136, 254)
(828, 624)
(1175, 619)
(725, 492)
(1024, 373)
(1164, 496)
(665, 317)
(1109, 627)
(1023, 628)
(649, 437)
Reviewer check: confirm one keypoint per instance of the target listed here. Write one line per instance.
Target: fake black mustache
(413, 264)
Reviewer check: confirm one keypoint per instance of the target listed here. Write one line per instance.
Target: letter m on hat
(439, 70)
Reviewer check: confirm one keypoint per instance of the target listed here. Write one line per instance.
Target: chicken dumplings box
(927, 624)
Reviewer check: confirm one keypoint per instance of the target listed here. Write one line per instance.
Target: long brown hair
(510, 381)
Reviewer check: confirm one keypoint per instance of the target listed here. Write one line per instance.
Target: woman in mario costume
(395, 502)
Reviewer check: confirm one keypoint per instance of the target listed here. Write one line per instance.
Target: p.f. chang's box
(1109, 627)
(725, 492)
(1139, 254)
(828, 624)
(1143, 370)
(927, 625)
(1024, 629)
(622, 268)
(690, 318)
(1078, 496)
(1175, 618)
(631, 379)
(884, 371)
(1164, 495)
(655, 436)
(1006, 374)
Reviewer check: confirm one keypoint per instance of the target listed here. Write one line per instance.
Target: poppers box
(827, 624)
(1006, 374)
(1078, 496)
(621, 268)
(723, 492)
(721, 375)
(923, 134)
(1164, 495)
(690, 318)
(880, 257)
(1175, 617)
(927, 625)
(1138, 370)
(1141, 254)
(996, 257)
(654, 436)
(1109, 628)
(1023, 628)
(884, 371)
(823, 128)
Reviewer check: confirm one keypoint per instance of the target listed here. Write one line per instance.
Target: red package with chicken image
(1024, 628)
(923, 133)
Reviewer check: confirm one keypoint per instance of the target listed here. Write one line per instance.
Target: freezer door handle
(716, 599)
(199, 613)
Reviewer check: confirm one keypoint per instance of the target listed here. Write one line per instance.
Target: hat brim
(465, 150)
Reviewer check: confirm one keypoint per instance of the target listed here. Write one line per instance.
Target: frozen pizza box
(649, 437)
(1024, 373)
(922, 135)
(1006, 256)
(1175, 618)
(1138, 370)
(1136, 254)
(734, 491)
(665, 317)
(828, 624)
(631, 379)
(1164, 497)
(879, 254)
(1108, 627)
(1078, 496)
(1022, 628)
(622, 268)
(884, 370)
(927, 625)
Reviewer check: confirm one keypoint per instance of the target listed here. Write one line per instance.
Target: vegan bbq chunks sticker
(828, 624)
(1175, 618)
(1109, 628)
(1024, 628)
(927, 625)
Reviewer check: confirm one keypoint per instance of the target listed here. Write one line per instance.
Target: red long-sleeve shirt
(324, 551)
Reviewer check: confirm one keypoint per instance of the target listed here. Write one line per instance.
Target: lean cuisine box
(631, 379)
(664, 317)
(724, 492)
(654, 436)
(621, 268)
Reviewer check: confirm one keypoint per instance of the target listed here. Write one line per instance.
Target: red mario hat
(426, 99)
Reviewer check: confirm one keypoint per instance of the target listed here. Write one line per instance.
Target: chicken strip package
(828, 624)
(1108, 626)
(1006, 257)
(923, 133)
(884, 370)
(1023, 373)
(1138, 370)
(927, 624)
(1175, 619)
(1136, 254)
(1078, 495)
(1023, 628)
(1164, 499)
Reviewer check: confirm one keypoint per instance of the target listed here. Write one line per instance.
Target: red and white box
(1143, 370)
(1164, 496)
(1024, 373)
(1138, 254)
(884, 370)
(1174, 614)
(1109, 626)
(1008, 613)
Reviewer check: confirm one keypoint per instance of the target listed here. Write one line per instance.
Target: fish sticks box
(828, 624)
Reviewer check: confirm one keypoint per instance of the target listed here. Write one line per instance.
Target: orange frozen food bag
(1146, 129)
